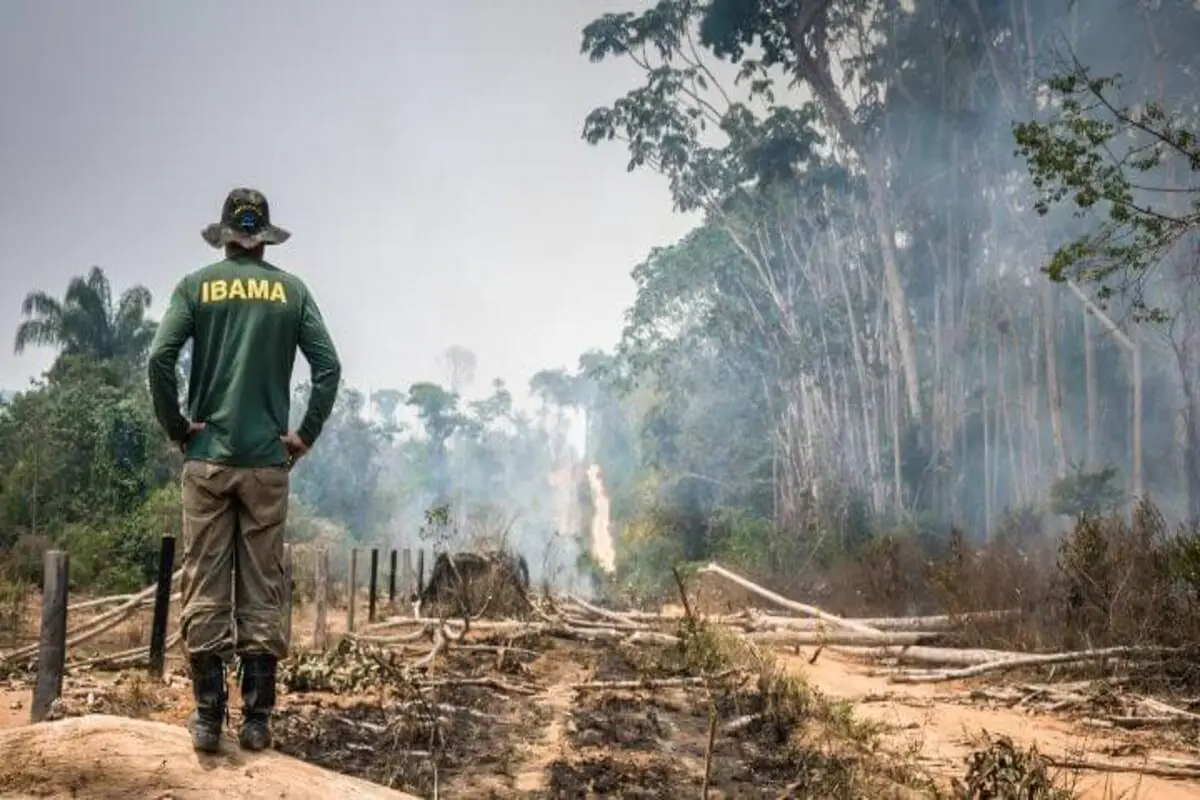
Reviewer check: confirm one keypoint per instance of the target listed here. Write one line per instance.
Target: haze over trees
(945, 274)
(860, 336)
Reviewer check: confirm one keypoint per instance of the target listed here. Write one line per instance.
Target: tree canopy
(944, 274)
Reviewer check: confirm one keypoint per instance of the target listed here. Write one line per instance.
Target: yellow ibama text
(220, 291)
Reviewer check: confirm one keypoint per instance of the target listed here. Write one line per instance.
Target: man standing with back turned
(246, 319)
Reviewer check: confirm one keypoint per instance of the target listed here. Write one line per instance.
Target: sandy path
(932, 722)
(534, 772)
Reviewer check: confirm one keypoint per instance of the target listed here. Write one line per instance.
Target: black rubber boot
(208, 689)
(258, 700)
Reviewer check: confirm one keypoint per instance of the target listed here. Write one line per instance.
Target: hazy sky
(425, 156)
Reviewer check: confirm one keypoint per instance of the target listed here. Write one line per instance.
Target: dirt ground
(514, 716)
(940, 723)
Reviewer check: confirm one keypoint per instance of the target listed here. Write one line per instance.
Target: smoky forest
(931, 347)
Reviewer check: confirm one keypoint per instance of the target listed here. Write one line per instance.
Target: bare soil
(100, 757)
(940, 724)
(506, 717)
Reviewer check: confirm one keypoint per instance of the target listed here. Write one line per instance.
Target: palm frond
(36, 333)
(136, 298)
(40, 304)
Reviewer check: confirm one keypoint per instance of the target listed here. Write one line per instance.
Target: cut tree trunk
(103, 756)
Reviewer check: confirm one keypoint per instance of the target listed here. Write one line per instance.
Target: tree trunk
(1016, 496)
(814, 69)
(894, 409)
(1053, 390)
(1191, 424)
(1093, 401)
(1133, 346)
(987, 444)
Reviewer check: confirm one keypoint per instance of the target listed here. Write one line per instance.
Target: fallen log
(145, 593)
(125, 658)
(91, 628)
(1043, 659)
(87, 605)
(612, 616)
(1183, 770)
(942, 656)
(753, 616)
(102, 756)
(716, 569)
(937, 622)
(831, 638)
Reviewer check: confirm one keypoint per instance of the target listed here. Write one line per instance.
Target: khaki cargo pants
(232, 584)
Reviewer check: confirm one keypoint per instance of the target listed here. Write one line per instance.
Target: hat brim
(219, 235)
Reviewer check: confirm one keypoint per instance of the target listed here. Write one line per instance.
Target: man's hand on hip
(296, 447)
(193, 429)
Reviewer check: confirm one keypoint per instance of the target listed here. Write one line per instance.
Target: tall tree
(87, 322)
(460, 365)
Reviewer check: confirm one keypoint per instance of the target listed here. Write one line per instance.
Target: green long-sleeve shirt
(246, 319)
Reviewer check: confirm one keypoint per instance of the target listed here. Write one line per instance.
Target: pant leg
(206, 583)
(259, 578)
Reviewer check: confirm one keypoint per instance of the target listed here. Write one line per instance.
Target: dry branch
(1044, 659)
(612, 616)
(767, 594)
(943, 656)
(1155, 770)
(90, 629)
(124, 658)
(754, 617)
(649, 683)
(879, 638)
(97, 602)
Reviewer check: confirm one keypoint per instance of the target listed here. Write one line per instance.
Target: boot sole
(250, 744)
(206, 745)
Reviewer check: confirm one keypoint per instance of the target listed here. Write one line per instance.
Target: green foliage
(120, 554)
(1001, 769)
(1125, 169)
(342, 480)
(82, 461)
(1106, 555)
(669, 122)
(1086, 492)
(745, 412)
(86, 322)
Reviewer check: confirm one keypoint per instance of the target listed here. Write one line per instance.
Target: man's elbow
(332, 374)
(162, 358)
(158, 364)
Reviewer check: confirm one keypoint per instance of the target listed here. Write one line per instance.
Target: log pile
(906, 649)
(80, 631)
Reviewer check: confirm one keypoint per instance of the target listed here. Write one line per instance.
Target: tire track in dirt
(932, 722)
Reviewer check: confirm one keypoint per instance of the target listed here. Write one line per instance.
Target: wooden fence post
(289, 594)
(52, 645)
(392, 583)
(406, 579)
(162, 607)
(374, 585)
(321, 578)
(353, 589)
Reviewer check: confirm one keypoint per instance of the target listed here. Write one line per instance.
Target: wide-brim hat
(245, 221)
